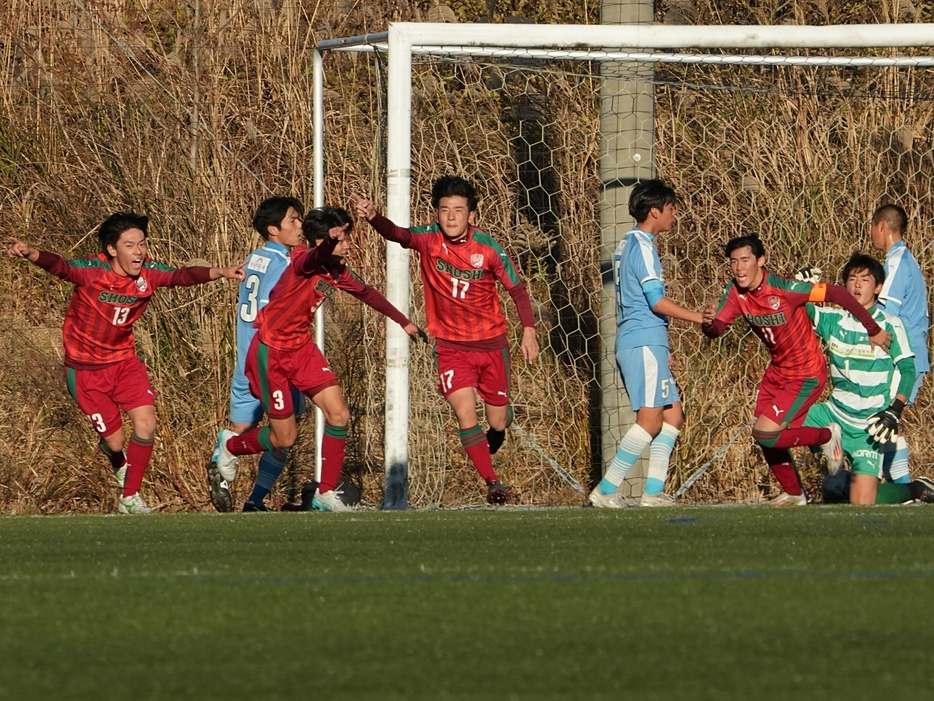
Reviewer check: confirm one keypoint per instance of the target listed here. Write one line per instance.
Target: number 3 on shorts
(447, 379)
(98, 422)
(277, 402)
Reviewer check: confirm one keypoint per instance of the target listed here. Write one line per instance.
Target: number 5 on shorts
(666, 387)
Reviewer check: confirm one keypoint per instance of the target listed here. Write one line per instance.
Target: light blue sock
(898, 466)
(630, 448)
(659, 457)
(271, 465)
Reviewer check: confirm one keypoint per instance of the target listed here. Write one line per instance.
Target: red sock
(805, 435)
(782, 466)
(137, 460)
(332, 456)
(478, 450)
(246, 443)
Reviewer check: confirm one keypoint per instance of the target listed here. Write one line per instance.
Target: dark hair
(754, 242)
(272, 211)
(859, 262)
(893, 215)
(109, 232)
(648, 195)
(319, 221)
(341, 217)
(453, 186)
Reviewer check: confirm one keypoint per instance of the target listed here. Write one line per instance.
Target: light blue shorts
(247, 409)
(646, 372)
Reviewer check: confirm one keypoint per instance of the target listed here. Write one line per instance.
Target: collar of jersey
(277, 247)
(636, 229)
(895, 246)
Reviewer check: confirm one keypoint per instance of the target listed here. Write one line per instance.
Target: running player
(279, 221)
(102, 370)
(863, 380)
(773, 307)
(460, 265)
(283, 355)
(904, 295)
(642, 351)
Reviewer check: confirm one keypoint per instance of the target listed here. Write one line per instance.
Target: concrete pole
(627, 136)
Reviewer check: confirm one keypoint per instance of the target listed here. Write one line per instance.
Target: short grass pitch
(684, 603)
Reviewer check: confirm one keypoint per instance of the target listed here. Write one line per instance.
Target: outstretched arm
(385, 228)
(50, 262)
(674, 310)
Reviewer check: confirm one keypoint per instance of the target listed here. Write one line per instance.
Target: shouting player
(773, 307)
(283, 354)
(103, 372)
(460, 265)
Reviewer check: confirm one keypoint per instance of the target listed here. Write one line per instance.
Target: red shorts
(103, 392)
(787, 401)
(273, 372)
(487, 371)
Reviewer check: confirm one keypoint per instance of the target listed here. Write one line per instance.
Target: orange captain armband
(818, 292)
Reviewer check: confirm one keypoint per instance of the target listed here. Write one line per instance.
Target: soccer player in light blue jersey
(904, 295)
(642, 351)
(279, 221)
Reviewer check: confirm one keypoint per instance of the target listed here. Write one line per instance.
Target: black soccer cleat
(495, 439)
(220, 490)
(926, 490)
(250, 507)
(496, 493)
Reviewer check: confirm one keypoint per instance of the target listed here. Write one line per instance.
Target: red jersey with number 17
(775, 312)
(459, 278)
(98, 328)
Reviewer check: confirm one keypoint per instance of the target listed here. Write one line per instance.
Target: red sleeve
(308, 261)
(390, 231)
(186, 277)
(520, 295)
(55, 265)
(370, 296)
(728, 311)
(839, 295)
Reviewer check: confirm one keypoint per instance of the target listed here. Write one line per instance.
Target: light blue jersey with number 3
(263, 269)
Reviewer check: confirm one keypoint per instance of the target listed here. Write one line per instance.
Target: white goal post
(617, 43)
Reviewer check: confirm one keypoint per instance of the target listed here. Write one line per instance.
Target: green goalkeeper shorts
(861, 451)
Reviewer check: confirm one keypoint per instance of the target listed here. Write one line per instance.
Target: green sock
(890, 493)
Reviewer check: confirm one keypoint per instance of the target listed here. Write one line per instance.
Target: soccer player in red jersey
(460, 265)
(103, 372)
(774, 308)
(283, 354)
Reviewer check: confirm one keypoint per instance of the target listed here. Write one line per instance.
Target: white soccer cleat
(785, 499)
(329, 501)
(660, 499)
(120, 475)
(133, 504)
(226, 461)
(607, 501)
(833, 449)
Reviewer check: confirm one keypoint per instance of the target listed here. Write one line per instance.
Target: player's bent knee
(766, 439)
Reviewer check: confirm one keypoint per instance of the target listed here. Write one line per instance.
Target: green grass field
(686, 603)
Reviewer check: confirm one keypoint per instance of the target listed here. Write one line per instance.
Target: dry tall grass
(193, 117)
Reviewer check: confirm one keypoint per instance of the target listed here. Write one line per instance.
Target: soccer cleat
(496, 493)
(607, 501)
(927, 496)
(226, 461)
(329, 501)
(220, 490)
(660, 499)
(133, 504)
(250, 507)
(833, 449)
(495, 439)
(785, 499)
(120, 475)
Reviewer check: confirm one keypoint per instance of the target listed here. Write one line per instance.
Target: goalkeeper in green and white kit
(870, 387)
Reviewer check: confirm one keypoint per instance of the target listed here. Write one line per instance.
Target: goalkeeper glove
(809, 273)
(883, 425)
